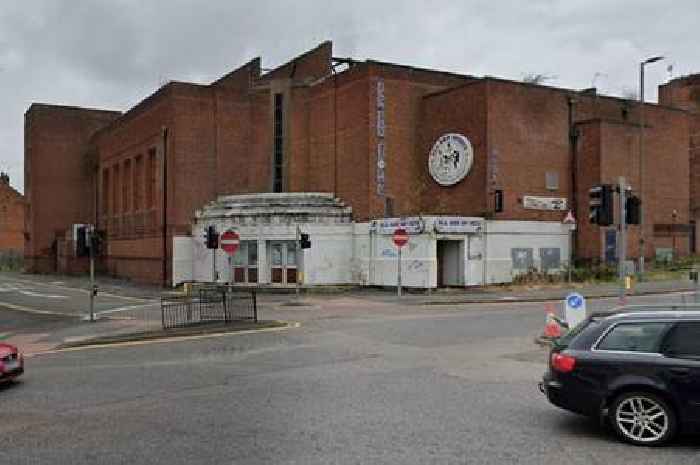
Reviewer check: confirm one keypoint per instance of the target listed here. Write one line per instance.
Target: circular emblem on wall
(450, 159)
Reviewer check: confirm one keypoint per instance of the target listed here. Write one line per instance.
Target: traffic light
(305, 243)
(601, 205)
(633, 206)
(212, 238)
(97, 242)
(81, 242)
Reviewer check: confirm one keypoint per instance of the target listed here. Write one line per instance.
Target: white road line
(78, 289)
(22, 308)
(126, 308)
(46, 296)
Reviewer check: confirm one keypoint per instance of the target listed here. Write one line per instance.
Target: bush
(11, 260)
(597, 272)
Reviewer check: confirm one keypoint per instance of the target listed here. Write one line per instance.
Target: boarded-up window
(550, 257)
(522, 258)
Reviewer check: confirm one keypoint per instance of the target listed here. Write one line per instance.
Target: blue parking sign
(575, 309)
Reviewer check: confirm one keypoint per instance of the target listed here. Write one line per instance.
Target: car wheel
(643, 418)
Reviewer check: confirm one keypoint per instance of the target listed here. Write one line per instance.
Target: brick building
(362, 131)
(11, 218)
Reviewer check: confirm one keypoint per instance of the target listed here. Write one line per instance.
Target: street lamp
(642, 207)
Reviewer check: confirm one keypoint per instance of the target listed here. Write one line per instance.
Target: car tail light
(563, 363)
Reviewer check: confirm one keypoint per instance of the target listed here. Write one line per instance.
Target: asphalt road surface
(379, 385)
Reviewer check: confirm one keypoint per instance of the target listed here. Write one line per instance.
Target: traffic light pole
(622, 236)
(91, 250)
(300, 252)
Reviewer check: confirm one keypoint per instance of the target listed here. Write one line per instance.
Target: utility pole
(299, 251)
(398, 279)
(93, 287)
(622, 236)
(642, 208)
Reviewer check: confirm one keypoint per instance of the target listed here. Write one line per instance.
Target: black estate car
(637, 370)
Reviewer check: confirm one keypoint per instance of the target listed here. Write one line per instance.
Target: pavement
(361, 381)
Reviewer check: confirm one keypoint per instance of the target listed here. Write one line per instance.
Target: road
(357, 383)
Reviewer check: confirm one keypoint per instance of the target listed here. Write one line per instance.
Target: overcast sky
(111, 54)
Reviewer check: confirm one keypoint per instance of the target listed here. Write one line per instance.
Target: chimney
(4, 178)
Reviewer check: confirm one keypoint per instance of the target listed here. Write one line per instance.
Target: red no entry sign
(230, 240)
(400, 237)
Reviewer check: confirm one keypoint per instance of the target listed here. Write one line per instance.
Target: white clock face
(450, 159)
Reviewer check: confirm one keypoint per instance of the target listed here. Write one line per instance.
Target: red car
(11, 363)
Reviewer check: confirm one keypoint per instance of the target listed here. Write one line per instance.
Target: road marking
(22, 308)
(78, 289)
(46, 296)
(127, 308)
(166, 340)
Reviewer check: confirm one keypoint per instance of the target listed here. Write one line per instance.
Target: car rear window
(634, 337)
(564, 341)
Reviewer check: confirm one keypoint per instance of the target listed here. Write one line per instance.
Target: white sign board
(458, 224)
(413, 225)
(532, 202)
(575, 309)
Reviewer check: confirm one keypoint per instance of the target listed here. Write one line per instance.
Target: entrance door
(283, 262)
(450, 263)
(245, 263)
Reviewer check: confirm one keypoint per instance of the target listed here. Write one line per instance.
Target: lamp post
(674, 215)
(642, 207)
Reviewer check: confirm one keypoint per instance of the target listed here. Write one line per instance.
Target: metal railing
(209, 304)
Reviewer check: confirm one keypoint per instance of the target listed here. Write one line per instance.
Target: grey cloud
(110, 54)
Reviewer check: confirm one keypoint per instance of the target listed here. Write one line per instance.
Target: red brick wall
(588, 153)
(134, 231)
(59, 182)
(685, 93)
(11, 219)
(528, 136)
(462, 111)
(405, 155)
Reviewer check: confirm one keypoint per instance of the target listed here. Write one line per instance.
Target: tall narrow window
(278, 155)
(126, 188)
(106, 192)
(151, 179)
(116, 191)
(138, 183)
(498, 201)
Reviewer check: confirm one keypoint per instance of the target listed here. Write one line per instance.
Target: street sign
(400, 237)
(230, 240)
(569, 219)
(575, 311)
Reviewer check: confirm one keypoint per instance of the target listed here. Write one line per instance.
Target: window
(498, 201)
(106, 192)
(634, 337)
(551, 180)
(278, 154)
(388, 207)
(151, 179)
(126, 186)
(683, 341)
(115, 190)
(138, 184)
